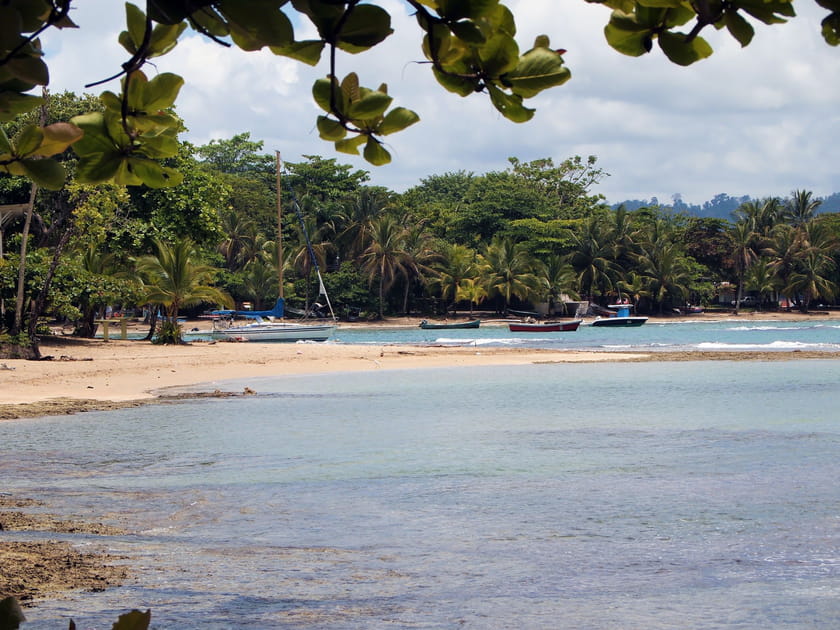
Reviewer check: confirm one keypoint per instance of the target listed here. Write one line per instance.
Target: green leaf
(633, 42)
(31, 69)
(460, 9)
(375, 153)
(57, 137)
(350, 145)
(330, 129)
(459, 85)
(162, 91)
(831, 29)
(97, 168)
(165, 38)
(396, 120)
(499, 55)
(538, 69)
(152, 174)
(371, 105)
(96, 140)
(323, 91)
(468, 32)
(738, 27)
(308, 51)
(5, 144)
(253, 27)
(681, 51)
(13, 104)
(366, 26)
(135, 21)
(28, 140)
(510, 106)
(46, 173)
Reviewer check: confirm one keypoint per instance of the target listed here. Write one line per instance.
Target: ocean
(582, 496)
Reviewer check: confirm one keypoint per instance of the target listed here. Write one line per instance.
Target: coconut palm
(810, 280)
(801, 208)
(472, 291)
(762, 279)
(384, 259)
(592, 258)
(742, 240)
(419, 257)
(761, 215)
(560, 281)
(173, 279)
(458, 264)
(511, 271)
(668, 273)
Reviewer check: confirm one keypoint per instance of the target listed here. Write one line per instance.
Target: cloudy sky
(759, 121)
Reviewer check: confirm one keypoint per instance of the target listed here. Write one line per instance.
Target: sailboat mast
(279, 162)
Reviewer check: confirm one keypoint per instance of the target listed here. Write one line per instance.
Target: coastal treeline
(533, 234)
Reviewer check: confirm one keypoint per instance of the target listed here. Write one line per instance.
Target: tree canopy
(470, 46)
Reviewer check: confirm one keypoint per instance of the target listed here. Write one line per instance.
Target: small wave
(773, 345)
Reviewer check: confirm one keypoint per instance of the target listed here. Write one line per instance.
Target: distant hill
(719, 207)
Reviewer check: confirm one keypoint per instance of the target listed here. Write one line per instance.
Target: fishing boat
(622, 317)
(475, 323)
(565, 326)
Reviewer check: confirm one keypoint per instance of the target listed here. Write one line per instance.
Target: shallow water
(679, 335)
(657, 495)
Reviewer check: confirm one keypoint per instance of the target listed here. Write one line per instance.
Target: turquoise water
(680, 335)
(657, 495)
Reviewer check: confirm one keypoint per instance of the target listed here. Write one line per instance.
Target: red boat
(566, 326)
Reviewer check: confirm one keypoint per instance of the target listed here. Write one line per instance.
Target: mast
(278, 163)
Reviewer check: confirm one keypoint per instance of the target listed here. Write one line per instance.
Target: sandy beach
(94, 374)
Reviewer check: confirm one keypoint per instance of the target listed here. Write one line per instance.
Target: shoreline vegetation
(87, 375)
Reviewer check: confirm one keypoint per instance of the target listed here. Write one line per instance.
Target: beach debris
(3, 366)
(248, 391)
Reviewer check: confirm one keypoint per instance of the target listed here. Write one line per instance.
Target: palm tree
(471, 290)
(173, 279)
(260, 281)
(762, 279)
(592, 257)
(810, 279)
(742, 239)
(312, 250)
(384, 259)
(419, 256)
(560, 280)
(459, 263)
(667, 272)
(511, 271)
(783, 251)
(801, 208)
(762, 216)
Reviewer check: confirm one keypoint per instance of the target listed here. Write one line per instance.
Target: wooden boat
(622, 317)
(475, 323)
(565, 326)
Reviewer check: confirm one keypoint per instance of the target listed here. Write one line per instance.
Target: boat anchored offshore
(622, 317)
(475, 323)
(566, 326)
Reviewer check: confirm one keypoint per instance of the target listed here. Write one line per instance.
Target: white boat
(262, 330)
(267, 326)
(622, 317)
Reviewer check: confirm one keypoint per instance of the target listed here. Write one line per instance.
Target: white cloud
(760, 120)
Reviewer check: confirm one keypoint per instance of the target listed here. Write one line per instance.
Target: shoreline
(92, 374)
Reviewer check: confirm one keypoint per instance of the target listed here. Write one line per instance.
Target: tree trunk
(40, 302)
(17, 326)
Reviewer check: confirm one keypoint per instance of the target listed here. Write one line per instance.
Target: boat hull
(456, 326)
(569, 326)
(620, 321)
(278, 332)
